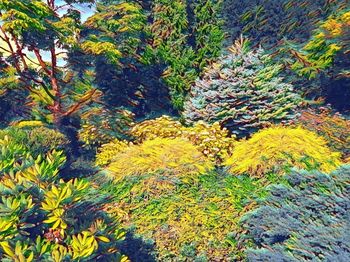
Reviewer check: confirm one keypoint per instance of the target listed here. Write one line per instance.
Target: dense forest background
(177, 130)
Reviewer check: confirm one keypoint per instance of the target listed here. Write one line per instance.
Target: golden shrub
(273, 149)
(212, 140)
(107, 152)
(169, 156)
(28, 123)
(163, 126)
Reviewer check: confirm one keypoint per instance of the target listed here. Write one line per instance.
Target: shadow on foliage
(137, 250)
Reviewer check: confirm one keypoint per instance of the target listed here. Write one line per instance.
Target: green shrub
(37, 139)
(44, 218)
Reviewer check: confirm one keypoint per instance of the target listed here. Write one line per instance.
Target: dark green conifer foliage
(186, 36)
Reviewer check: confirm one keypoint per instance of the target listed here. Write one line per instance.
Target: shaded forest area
(195, 130)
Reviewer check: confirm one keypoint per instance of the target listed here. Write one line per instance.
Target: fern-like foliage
(170, 36)
(170, 156)
(243, 91)
(186, 35)
(207, 31)
(304, 219)
(276, 148)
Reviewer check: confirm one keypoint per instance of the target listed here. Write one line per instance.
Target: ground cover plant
(304, 219)
(187, 217)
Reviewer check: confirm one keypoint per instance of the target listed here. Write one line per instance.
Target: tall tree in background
(36, 39)
(207, 30)
(187, 36)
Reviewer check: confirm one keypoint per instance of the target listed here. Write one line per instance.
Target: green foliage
(116, 28)
(269, 22)
(38, 38)
(170, 36)
(46, 218)
(208, 31)
(329, 39)
(173, 32)
(100, 126)
(243, 91)
(24, 15)
(37, 140)
(188, 218)
(277, 148)
(161, 178)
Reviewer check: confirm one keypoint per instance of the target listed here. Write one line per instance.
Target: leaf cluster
(44, 218)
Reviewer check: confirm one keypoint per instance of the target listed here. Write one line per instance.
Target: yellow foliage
(91, 135)
(272, 149)
(108, 151)
(172, 156)
(333, 26)
(28, 123)
(163, 126)
(346, 17)
(338, 25)
(83, 245)
(212, 140)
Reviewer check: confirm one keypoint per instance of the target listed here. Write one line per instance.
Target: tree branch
(8, 51)
(41, 61)
(19, 51)
(82, 101)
